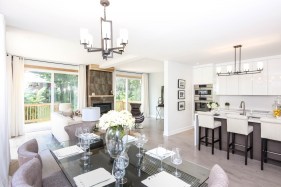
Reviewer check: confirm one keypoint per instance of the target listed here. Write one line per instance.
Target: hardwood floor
(238, 173)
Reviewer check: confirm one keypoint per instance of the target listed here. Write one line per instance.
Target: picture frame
(181, 83)
(181, 105)
(181, 94)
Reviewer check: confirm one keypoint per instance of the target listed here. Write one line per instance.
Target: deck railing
(121, 105)
(37, 112)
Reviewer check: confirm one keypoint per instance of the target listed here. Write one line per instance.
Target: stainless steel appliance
(203, 94)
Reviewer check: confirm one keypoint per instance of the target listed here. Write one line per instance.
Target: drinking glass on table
(87, 136)
(122, 162)
(78, 132)
(84, 145)
(140, 143)
(117, 172)
(161, 152)
(177, 160)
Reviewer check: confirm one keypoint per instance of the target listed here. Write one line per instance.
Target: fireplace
(104, 107)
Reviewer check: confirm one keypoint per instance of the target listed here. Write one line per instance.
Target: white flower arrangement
(114, 118)
(213, 105)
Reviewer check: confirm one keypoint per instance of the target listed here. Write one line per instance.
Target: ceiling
(185, 31)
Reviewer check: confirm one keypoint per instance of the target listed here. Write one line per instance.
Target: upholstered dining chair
(218, 177)
(29, 174)
(28, 151)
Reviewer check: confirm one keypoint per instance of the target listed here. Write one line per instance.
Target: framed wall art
(181, 94)
(181, 83)
(181, 105)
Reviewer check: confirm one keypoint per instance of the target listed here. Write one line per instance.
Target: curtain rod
(36, 60)
(129, 72)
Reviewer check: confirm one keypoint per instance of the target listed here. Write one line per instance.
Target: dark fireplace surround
(100, 83)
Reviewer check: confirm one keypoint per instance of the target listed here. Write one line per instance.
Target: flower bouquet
(213, 105)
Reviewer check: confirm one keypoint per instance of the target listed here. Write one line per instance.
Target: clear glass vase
(116, 140)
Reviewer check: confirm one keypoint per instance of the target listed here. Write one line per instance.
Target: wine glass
(117, 172)
(140, 142)
(87, 136)
(78, 132)
(177, 160)
(161, 152)
(122, 162)
(84, 145)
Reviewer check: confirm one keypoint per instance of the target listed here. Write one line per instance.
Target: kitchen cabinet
(203, 75)
(274, 76)
(260, 80)
(232, 85)
(245, 82)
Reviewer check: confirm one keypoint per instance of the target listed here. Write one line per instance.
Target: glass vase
(116, 139)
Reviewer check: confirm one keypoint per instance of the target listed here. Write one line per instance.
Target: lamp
(246, 67)
(91, 114)
(107, 48)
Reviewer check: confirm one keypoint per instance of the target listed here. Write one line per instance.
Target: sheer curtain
(144, 95)
(15, 71)
(4, 128)
(82, 97)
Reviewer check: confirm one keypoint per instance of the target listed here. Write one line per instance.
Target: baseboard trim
(178, 131)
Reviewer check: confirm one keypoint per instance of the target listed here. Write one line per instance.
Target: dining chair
(218, 177)
(28, 151)
(206, 121)
(270, 130)
(238, 124)
(28, 174)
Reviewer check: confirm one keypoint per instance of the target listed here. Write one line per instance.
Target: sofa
(59, 121)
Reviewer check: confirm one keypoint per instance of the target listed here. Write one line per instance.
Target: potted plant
(227, 104)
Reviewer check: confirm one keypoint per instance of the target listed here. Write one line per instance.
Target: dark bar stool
(270, 130)
(238, 124)
(206, 121)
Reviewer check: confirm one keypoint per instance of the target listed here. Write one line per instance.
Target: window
(44, 90)
(128, 90)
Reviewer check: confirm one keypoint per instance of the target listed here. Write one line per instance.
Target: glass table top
(138, 169)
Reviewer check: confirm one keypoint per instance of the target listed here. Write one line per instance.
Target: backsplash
(252, 102)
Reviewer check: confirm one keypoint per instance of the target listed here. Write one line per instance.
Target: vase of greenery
(213, 105)
(227, 104)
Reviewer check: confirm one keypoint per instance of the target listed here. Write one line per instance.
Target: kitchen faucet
(242, 105)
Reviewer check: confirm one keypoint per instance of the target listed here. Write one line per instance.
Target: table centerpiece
(116, 125)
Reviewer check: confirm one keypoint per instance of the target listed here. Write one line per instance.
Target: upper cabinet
(274, 76)
(245, 81)
(260, 85)
(203, 74)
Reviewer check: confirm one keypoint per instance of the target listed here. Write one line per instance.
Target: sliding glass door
(128, 90)
(44, 90)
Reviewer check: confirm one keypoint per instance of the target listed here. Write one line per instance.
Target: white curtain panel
(82, 97)
(4, 128)
(15, 70)
(144, 95)
(113, 86)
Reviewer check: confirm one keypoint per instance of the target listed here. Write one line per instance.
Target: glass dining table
(138, 170)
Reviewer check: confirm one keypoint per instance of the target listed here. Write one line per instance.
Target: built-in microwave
(203, 90)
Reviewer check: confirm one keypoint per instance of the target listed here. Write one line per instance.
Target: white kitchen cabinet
(203, 75)
(274, 76)
(245, 82)
(232, 85)
(260, 80)
(221, 85)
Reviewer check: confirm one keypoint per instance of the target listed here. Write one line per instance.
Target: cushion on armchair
(218, 177)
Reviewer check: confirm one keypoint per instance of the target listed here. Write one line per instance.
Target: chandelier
(107, 49)
(238, 71)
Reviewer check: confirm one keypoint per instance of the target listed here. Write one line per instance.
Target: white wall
(177, 121)
(156, 80)
(4, 126)
(39, 46)
(252, 102)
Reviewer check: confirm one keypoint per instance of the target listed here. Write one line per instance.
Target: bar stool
(238, 124)
(206, 120)
(270, 130)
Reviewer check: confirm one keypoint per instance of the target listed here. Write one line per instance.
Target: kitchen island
(273, 146)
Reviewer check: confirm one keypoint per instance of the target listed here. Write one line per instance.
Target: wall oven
(203, 94)
(203, 90)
